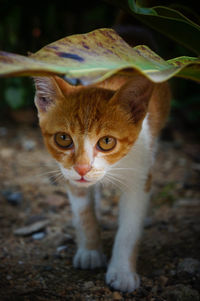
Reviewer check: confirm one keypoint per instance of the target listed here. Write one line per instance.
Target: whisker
(118, 180)
(110, 181)
(123, 169)
(49, 172)
(50, 175)
(118, 184)
(56, 178)
(58, 175)
(102, 182)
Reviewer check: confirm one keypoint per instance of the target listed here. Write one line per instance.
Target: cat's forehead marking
(87, 107)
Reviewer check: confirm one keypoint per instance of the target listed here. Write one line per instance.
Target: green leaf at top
(95, 56)
(166, 20)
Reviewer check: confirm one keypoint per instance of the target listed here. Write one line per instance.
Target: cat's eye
(63, 140)
(106, 143)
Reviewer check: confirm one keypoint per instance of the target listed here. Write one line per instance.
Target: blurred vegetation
(28, 26)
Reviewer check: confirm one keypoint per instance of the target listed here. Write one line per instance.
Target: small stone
(47, 268)
(163, 280)
(182, 162)
(116, 296)
(172, 272)
(88, 284)
(20, 262)
(13, 198)
(28, 144)
(148, 222)
(158, 272)
(61, 248)
(68, 238)
(3, 131)
(39, 235)
(30, 229)
(189, 265)
(55, 200)
(196, 167)
(180, 292)
(187, 202)
(6, 153)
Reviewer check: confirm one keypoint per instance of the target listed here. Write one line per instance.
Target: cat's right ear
(46, 92)
(49, 90)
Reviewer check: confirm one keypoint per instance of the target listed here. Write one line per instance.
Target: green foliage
(165, 196)
(16, 93)
(26, 26)
(167, 20)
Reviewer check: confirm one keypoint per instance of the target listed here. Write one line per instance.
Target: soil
(37, 238)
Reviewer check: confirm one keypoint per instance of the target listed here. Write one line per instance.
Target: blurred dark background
(28, 26)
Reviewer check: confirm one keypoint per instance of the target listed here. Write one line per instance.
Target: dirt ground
(37, 238)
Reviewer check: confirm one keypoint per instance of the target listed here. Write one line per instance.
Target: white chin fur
(81, 184)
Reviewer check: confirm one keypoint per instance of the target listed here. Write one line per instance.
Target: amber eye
(106, 143)
(63, 140)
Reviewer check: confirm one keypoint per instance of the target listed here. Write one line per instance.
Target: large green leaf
(92, 57)
(166, 20)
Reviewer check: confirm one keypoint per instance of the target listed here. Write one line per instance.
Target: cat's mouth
(82, 180)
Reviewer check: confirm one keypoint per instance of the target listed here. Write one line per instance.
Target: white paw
(124, 281)
(89, 259)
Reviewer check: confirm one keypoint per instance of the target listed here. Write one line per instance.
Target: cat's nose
(82, 169)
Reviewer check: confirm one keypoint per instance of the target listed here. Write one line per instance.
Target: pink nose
(82, 169)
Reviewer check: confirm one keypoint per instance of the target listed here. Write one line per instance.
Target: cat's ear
(49, 89)
(134, 96)
(46, 92)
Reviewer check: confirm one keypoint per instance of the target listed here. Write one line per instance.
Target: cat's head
(89, 129)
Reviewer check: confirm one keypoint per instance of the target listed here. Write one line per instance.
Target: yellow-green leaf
(92, 57)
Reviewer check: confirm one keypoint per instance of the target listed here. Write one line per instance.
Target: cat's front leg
(121, 274)
(89, 249)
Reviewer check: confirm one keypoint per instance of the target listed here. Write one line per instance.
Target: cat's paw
(124, 281)
(89, 259)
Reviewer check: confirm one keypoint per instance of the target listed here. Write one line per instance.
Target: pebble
(68, 238)
(116, 296)
(88, 284)
(47, 268)
(189, 265)
(6, 153)
(180, 292)
(13, 198)
(55, 200)
(187, 203)
(158, 272)
(20, 262)
(38, 236)
(172, 272)
(163, 280)
(30, 229)
(148, 222)
(61, 248)
(28, 144)
(3, 131)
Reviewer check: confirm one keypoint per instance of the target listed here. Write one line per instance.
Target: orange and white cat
(98, 133)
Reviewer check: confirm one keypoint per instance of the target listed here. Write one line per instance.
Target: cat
(105, 132)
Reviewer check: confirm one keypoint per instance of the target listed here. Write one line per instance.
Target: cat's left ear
(134, 97)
